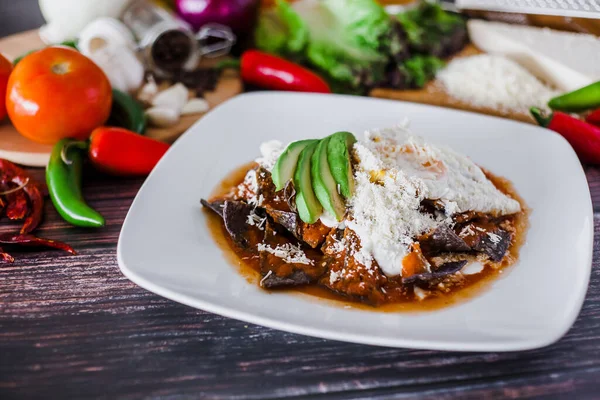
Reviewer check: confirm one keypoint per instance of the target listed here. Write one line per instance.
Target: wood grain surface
(74, 327)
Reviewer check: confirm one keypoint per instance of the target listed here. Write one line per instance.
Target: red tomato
(5, 68)
(57, 93)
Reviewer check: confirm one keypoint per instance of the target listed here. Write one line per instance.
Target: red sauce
(400, 300)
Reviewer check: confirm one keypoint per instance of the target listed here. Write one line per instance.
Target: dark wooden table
(75, 327)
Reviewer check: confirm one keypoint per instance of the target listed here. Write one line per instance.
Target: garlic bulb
(65, 19)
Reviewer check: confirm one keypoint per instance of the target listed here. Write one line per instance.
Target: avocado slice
(307, 204)
(324, 185)
(338, 156)
(284, 168)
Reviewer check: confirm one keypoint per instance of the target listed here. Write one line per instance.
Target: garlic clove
(162, 117)
(174, 97)
(148, 91)
(195, 106)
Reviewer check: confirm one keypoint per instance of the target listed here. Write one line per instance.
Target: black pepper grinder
(168, 44)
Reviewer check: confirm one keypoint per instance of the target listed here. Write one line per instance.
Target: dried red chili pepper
(34, 241)
(10, 173)
(17, 205)
(5, 256)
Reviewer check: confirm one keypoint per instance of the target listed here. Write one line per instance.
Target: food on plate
(356, 46)
(5, 70)
(21, 199)
(387, 219)
(57, 93)
(113, 150)
(581, 135)
(270, 72)
(495, 82)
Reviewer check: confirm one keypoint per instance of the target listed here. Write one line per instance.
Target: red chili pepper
(17, 205)
(119, 151)
(6, 257)
(34, 241)
(272, 72)
(583, 137)
(11, 173)
(594, 117)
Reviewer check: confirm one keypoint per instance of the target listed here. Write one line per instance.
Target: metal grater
(563, 8)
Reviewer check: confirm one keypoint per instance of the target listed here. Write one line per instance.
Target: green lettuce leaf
(280, 30)
(420, 69)
(347, 40)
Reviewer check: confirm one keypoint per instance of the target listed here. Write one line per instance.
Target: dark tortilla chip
(495, 244)
(296, 278)
(443, 240)
(289, 194)
(287, 219)
(278, 272)
(443, 271)
(312, 234)
(235, 216)
(216, 206)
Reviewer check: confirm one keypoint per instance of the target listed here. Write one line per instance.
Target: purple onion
(239, 15)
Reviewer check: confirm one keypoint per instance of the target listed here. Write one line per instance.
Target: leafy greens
(355, 44)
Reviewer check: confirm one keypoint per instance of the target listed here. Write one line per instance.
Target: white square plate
(165, 245)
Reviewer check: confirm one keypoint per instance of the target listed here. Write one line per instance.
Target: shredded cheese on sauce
(288, 253)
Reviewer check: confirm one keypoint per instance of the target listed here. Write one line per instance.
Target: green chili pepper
(126, 113)
(579, 100)
(63, 177)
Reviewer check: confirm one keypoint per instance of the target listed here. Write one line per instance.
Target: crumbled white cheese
(420, 293)
(338, 246)
(494, 238)
(266, 277)
(395, 172)
(364, 257)
(333, 277)
(254, 220)
(467, 231)
(287, 252)
(329, 220)
(494, 82)
(249, 188)
(270, 152)
(472, 268)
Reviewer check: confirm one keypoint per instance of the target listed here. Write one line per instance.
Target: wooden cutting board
(434, 93)
(18, 149)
